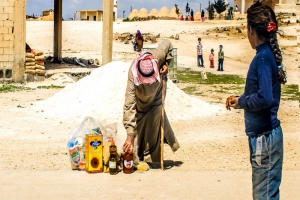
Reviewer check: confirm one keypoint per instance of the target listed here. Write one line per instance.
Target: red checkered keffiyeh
(145, 69)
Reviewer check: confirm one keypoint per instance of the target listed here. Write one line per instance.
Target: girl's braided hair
(262, 19)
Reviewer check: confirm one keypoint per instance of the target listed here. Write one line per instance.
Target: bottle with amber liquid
(128, 162)
(113, 158)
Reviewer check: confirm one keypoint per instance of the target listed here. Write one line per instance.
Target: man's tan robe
(142, 112)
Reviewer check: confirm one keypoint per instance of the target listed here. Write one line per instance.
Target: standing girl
(202, 16)
(211, 58)
(260, 102)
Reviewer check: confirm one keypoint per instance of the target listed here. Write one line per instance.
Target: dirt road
(212, 163)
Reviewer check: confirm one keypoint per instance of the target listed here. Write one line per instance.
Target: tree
(210, 10)
(220, 6)
(187, 8)
(177, 10)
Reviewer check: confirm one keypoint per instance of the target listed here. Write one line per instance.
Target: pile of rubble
(176, 37)
(102, 97)
(285, 19)
(150, 18)
(127, 37)
(229, 30)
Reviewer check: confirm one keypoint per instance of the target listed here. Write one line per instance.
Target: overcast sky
(69, 6)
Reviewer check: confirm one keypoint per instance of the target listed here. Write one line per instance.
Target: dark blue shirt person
(261, 97)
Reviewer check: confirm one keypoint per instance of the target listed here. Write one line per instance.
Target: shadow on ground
(168, 164)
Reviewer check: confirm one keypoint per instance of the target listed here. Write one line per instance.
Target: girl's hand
(164, 70)
(128, 144)
(233, 102)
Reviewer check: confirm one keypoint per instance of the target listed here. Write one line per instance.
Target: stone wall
(12, 40)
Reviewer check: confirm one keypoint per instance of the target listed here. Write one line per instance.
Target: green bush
(131, 20)
(135, 19)
(126, 20)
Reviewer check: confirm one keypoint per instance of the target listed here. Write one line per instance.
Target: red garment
(212, 65)
(211, 59)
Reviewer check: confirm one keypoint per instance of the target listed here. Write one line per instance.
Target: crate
(172, 75)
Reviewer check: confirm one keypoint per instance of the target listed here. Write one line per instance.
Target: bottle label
(112, 164)
(128, 163)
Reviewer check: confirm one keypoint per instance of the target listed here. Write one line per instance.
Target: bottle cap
(129, 151)
(112, 142)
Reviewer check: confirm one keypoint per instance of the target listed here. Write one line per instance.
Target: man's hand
(164, 70)
(233, 102)
(128, 144)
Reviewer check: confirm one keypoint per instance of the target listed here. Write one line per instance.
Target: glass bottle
(128, 162)
(113, 158)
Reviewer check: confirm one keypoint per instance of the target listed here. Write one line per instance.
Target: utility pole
(57, 46)
(107, 34)
(200, 8)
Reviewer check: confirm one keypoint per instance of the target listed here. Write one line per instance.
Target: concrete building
(89, 15)
(48, 15)
(12, 40)
(48, 12)
(115, 10)
(287, 6)
(243, 5)
(95, 15)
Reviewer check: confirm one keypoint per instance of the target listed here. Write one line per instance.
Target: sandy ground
(212, 163)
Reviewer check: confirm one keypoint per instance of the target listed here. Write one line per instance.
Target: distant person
(181, 18)
(261, 101)
(134, 43)
(230, 14)
(202, 16)
(200, 54)
(211, 58)
(236, 8)
(192, 15)
(139, 40)
(220, 58)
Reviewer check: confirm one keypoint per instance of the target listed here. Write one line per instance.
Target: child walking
(200, 61)
(211, 58)
(261, 100)
(221, 58)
